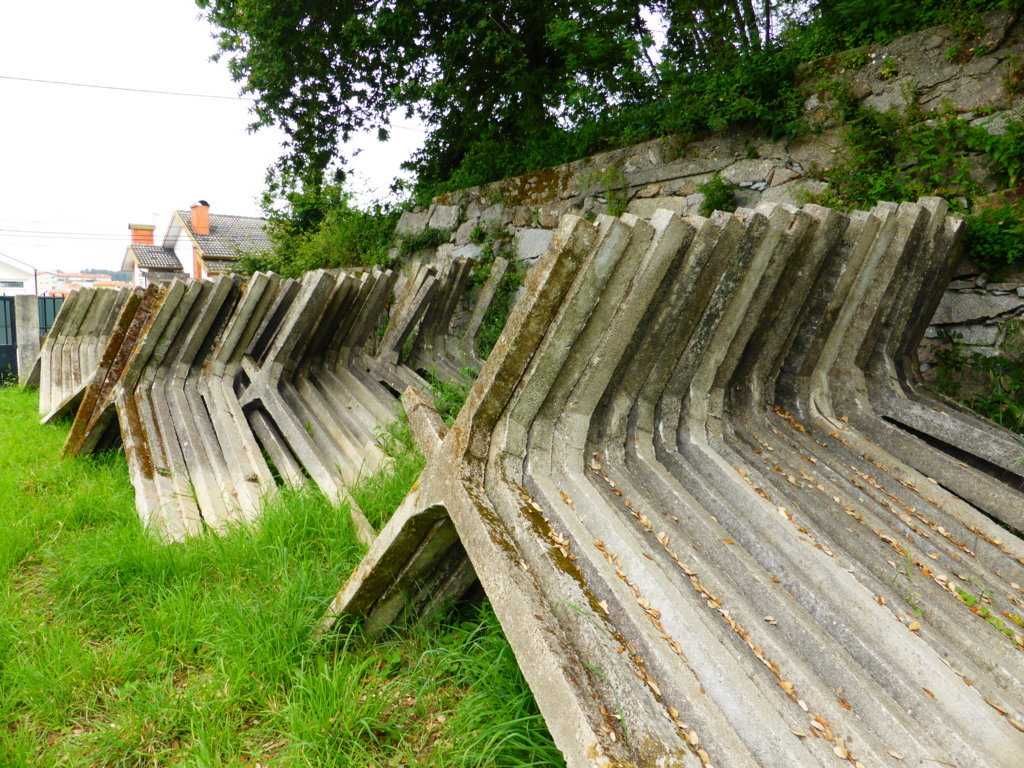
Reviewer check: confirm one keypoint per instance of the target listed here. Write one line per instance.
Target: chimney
(201, 218)
(142, 234)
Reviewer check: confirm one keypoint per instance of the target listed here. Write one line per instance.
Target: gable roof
(151, 257)
(230, 236)
(16, 265)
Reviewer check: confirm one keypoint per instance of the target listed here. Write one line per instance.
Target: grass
(380, 494)
(450, 395)
(116, 650)
(493, 322)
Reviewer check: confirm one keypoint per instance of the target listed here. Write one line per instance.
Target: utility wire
(126, 89)
(79, 238)
(159, 92)
(19, 261)
(66, 238)
(56, 232)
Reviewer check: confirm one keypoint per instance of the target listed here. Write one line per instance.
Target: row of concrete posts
(720, 519)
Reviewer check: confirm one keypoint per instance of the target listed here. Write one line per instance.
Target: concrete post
(26, 321)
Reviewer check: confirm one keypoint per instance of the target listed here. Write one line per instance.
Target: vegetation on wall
(317, 228)
(995, 236)
(719, 195)
(507, 86)
(903, 155)
(992, 386)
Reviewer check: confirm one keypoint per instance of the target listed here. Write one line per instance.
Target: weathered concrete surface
(204, 382)
(26, 321)
(717, 517)
(434, 323)
(72, 348)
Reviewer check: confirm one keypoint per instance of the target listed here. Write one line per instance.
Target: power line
(396, 125)
(123, 88)
(78, 238)
(18, 261)
(57, 232)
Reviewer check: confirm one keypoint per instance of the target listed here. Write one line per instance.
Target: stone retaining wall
(667, 172)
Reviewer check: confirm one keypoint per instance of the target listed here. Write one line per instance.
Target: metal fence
(49, 306)
(8, 339)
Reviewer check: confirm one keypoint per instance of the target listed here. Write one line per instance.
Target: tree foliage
(323, 70)
(319, 227)
(506, 86)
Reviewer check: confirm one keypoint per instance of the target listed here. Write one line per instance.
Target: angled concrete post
(683, 483)
(26, 321)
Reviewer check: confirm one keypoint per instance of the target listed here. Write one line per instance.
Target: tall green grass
(117, 650)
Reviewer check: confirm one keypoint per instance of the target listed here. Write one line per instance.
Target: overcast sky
(89, 161)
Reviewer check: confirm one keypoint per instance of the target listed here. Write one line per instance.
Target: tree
(506, 86)
(322, 70)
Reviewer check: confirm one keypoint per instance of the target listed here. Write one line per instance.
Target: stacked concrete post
(433, 327)
(72, 348)
(717, 516)
(220, 389)
(26, 323)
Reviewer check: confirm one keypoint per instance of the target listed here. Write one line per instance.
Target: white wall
(9, 273)
(183, 250)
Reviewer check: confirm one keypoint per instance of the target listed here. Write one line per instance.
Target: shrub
(991, 386)
(342, 235)
(428, 238)
(719, 195)
(995, 236)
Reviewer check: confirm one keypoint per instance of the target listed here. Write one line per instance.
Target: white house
(16, 277)
(196, 244)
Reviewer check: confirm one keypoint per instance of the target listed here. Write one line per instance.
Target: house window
(12, 283)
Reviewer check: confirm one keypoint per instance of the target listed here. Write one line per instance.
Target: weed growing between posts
(991, 386)
(118, 650)
(449, 396)
(719, 195)
(504, 298)
(381, 493)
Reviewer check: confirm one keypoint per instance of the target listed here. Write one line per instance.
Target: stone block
(962, 308)
(468, 251)
(645, 207)
(530, 244)
(782, 175)
(649, 190)
(749, 171)
(746, 197)
(522, 216)
(977, 335)
(548, 216)
(444, 217)
(493, 215)
(996, 124)
(412, 223)
(683, 186)
(794, 192)
(465, 230)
